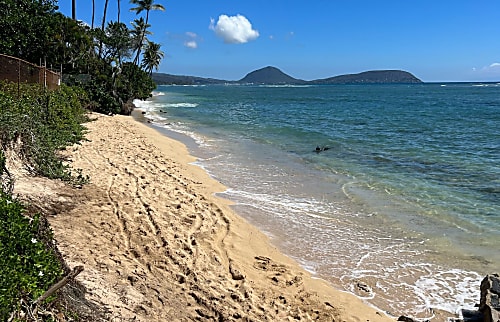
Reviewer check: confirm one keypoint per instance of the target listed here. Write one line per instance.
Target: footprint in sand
(279, 274)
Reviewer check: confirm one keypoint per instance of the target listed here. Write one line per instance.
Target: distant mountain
(168, 79)
(371, 77)
(272, 75)
(269, 75)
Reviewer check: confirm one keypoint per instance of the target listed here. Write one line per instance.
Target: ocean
(391, 192)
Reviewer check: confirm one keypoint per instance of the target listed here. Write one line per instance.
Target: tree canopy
(97, 59)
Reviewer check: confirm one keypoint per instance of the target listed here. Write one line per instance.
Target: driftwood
(77, 270)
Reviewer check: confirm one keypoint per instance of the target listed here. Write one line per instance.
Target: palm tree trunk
(93, 13)
(103, 25)
(104, 14)
(118, 11)
(136, 60)
(73, 9)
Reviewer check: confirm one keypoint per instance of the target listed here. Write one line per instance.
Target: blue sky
(436, 40)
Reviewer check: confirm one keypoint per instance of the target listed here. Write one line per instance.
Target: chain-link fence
(20, 71)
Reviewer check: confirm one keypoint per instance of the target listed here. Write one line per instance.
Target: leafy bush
(42, 123)
(28, 268)
(37, 124)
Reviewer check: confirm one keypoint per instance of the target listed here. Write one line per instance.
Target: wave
(148, 106)
(180, 105)
(284, 203)
(185, 85)
(142, 104)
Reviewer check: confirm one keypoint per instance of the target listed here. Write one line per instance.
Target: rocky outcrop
(489, 304)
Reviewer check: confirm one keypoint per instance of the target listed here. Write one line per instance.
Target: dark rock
(472, 316)
(405, 319)
(127, 107)
(319, 149)
(363, 287)
(489, 304)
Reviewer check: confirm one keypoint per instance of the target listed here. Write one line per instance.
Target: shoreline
(278, 241)
(338, 225)
(157, 244)
(367, 288)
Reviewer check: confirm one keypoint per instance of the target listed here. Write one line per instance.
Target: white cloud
(489, 72)
(234, 30)
(191, 44)
(494, 67)
(191, 41)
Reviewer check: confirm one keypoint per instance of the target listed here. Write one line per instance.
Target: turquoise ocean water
(402, 206)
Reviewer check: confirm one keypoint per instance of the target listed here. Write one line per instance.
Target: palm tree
(138, 32)
(144, 5)
(152, 57)
(117, 42)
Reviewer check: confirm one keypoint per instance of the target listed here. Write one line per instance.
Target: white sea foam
(417, 287)
(174, 85)
(449, 290)
(278, 204)
(180, 105)
(142, 104)
(158, 119)
(181, 129)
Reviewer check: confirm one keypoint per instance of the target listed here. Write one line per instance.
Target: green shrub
(43, 123)
(37, 124)
(27, 267)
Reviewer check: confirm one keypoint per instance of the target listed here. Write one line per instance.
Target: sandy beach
(157, 244)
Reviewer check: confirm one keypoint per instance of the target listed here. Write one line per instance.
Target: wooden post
(77, 270)
(45, 73)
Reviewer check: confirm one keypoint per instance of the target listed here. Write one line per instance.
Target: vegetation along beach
(132, 191)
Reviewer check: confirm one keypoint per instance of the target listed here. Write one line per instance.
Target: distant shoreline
(274, 76)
